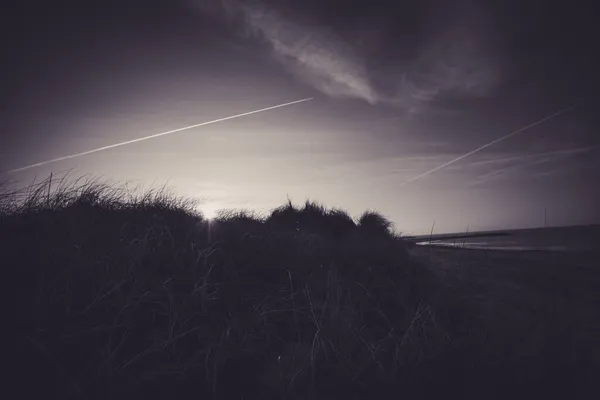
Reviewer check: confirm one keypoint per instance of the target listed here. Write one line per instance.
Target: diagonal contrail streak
(490, 143)
(154, 136)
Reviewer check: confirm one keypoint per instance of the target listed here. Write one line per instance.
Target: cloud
(315, 55)
(494, 159)
(456, 61)
(522, 163)
(390, 168)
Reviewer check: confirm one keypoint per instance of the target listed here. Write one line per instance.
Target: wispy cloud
(391, 168)
(495, 159)
(521, 163)
(457, 61)
(316, 55)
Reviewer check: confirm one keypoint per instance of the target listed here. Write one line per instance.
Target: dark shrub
(375, 223)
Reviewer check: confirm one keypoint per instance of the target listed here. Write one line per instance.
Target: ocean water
(569, 239)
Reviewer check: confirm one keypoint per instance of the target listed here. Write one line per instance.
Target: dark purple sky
(399, 88)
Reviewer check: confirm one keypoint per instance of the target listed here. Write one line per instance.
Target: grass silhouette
(119, 295)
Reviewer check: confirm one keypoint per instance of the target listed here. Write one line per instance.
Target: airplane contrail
(153, 136)
(490, 143)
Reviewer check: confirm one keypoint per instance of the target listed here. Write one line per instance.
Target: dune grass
(118, 295)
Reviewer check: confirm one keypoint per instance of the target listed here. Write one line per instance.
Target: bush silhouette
(375, 223)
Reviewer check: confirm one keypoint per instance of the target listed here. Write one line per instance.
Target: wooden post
(431, 233)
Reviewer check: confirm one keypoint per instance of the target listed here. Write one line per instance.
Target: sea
(564, 239)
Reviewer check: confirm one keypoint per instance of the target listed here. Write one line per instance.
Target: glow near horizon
(211, 209)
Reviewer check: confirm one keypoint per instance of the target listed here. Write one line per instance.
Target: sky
(396, 89)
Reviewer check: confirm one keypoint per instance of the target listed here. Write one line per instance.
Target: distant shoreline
(506, 232)
(445, 236)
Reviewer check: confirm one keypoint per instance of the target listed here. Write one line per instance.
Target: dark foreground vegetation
(124, 297)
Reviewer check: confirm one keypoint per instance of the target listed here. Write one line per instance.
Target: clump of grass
(375, 223)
